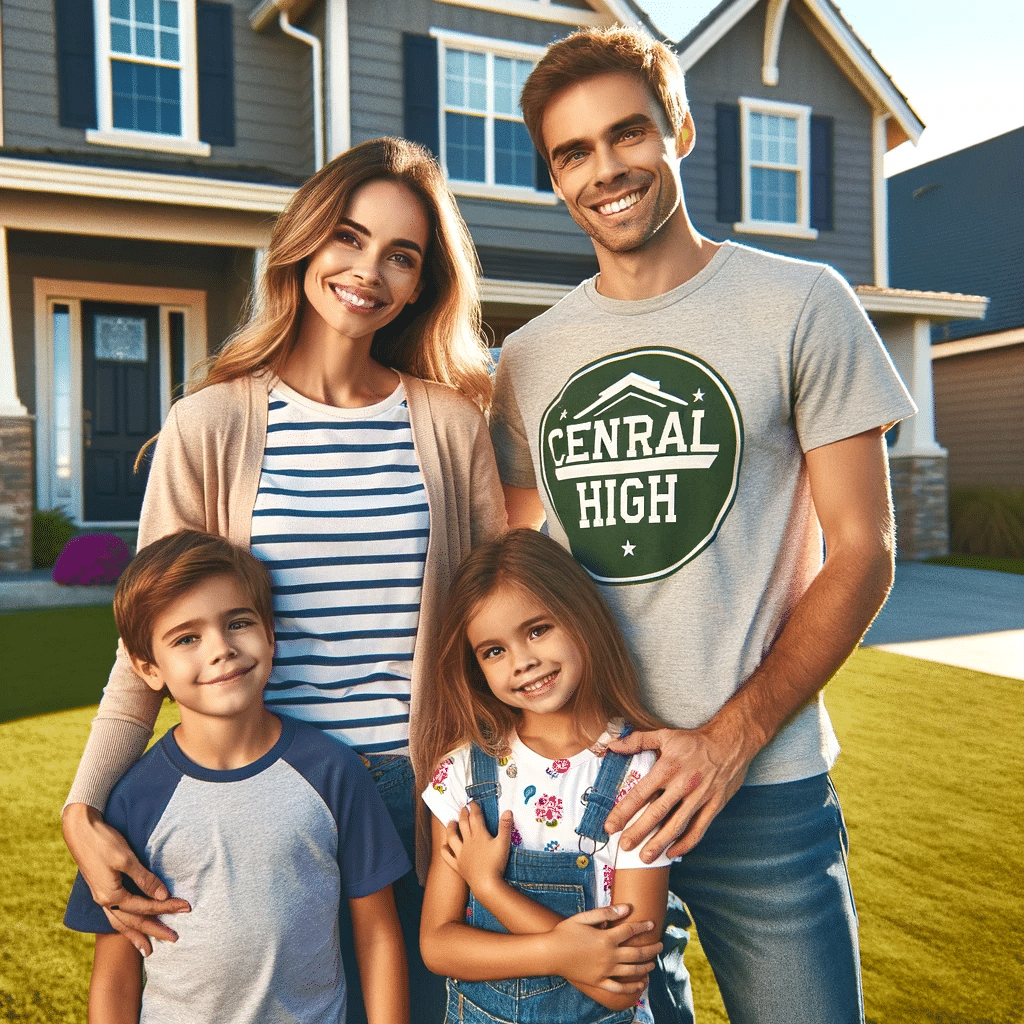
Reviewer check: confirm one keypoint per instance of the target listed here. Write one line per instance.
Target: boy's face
(210, 650)
(614, 160)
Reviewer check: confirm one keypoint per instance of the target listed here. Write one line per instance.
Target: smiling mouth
(538, 684)
(606, 209)
(229, 677)
(352, 298)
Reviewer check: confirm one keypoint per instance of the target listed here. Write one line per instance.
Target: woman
(339, 435)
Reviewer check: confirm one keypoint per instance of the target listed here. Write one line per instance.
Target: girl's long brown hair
(468, 711)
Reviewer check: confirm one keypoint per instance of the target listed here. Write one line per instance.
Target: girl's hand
(104, 858)
(591, 952)
(473, 852)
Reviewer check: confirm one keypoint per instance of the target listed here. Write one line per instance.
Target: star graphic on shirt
(628, 548)
(698, 395)
(565, 412)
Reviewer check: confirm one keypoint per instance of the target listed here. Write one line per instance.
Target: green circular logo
(640, 457)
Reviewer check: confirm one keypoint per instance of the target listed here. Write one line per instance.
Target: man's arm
(115, 992)
(380, 951)
(523, 507)
(700, 769)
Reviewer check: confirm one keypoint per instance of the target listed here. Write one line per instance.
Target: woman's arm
(115, 992)
(577, 948)
(380, 952)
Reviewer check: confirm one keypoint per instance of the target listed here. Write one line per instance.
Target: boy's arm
(380, 952)
(115, 992)
(577, 948)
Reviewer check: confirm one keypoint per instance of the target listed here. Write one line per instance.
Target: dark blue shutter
(728, 171)
(420, 91)
(542, 179)
(215, 60)
(822, 172)
(76, 63)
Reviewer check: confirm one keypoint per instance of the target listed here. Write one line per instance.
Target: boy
(262, 823)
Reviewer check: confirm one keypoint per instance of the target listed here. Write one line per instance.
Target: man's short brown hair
(168, 568)
(598, 51)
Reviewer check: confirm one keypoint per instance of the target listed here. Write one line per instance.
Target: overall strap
(485, 787)
(600, 798)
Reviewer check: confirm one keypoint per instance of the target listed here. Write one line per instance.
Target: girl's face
(529, 661)
(362, 277)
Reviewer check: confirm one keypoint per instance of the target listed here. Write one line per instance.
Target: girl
(338, 434)
(536, 680)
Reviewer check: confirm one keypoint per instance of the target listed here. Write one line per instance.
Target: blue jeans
(397, 786)
(768, 889)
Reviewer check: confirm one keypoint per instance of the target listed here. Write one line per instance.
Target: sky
(957, 62)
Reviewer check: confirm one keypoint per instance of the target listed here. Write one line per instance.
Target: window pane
(169, 13)
(773, 139)
(62, 400)
(476, 79)
(773, 195)
(120, 9)
(513, 154)
(146, 98)
(169, 45)
(120, 38)
(506, 99)
(465, 80)
(120, 338)
(144, 12)
(464, 147)
(145, 42)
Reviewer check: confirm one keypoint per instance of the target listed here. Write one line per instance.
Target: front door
(120, 405)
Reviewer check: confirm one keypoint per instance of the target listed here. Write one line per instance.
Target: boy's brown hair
(598, 51)
(168, 568)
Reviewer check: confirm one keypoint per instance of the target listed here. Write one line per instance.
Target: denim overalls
(563, 881)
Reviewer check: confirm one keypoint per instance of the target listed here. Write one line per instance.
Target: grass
(930, 778)
(994, 563)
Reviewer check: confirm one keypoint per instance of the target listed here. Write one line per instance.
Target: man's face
(614, 160)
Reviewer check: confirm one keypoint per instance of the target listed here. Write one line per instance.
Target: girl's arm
(480, 861)
(115, 992)
(592, 958)
(380, 952)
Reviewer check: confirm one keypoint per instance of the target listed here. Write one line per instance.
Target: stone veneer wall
(920, 494)
(15, 493)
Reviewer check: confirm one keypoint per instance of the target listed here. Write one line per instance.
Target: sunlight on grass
(930, 777)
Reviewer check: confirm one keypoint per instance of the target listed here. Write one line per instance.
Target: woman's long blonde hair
(437, 338)
(467, 711)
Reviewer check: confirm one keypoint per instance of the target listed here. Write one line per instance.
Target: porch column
(15, 443)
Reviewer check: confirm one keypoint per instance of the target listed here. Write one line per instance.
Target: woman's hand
(473, 852)
(104, 858)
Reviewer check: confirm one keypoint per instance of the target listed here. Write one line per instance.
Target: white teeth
(530, 687)
(620, 204)
(354, 299)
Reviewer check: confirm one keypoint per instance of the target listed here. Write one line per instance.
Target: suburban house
(145, 146)
(957, 223)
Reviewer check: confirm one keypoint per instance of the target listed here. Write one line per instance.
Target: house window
(484, 146)
(775, 168)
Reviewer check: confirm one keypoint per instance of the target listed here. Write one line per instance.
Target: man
(685, 421)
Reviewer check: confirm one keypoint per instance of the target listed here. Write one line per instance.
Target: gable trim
(545, 10)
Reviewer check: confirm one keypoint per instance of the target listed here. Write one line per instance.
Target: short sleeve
(844, 381)
(83, 914)
(508, 434)
(639, 765)
(446, 794)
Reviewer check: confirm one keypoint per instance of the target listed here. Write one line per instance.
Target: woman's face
(362, 277)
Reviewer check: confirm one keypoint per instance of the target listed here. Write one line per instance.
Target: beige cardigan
(205, 475)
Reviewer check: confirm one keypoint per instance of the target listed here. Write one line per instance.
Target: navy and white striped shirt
(341, 521)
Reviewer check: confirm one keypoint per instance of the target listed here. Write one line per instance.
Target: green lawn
(930, 778)
(994, 563)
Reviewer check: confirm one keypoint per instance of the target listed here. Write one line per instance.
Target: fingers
(601, 915)
(637, 741)
(148, 883)
(139, 906)
(138, 929)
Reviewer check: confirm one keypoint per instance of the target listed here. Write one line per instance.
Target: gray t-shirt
(666, 438)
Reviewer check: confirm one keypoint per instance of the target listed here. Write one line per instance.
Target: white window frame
(801, 228)
(491, 48)
(188, 142)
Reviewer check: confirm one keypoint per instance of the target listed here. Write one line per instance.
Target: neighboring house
(958, 223)
(145, 146)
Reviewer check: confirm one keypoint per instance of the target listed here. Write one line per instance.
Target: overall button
(582, 860)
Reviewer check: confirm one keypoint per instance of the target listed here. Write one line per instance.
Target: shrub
(986, 521)
(52, 528)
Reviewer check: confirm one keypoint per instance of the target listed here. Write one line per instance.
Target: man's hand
(696, 773)
(473, 852)
(590, 950)
(104, 858)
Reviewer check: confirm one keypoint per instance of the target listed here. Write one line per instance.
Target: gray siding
(375, 48)
(273, 125)
(807, 75)
(223, 273)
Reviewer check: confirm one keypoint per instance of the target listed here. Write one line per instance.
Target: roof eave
(933, 305)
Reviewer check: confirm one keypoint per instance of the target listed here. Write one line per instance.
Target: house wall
(376, 76)
(224, 273)
(809, 76)
(272, 90)
(979, 416)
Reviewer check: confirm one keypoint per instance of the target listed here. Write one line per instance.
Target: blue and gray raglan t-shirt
(263, 854)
